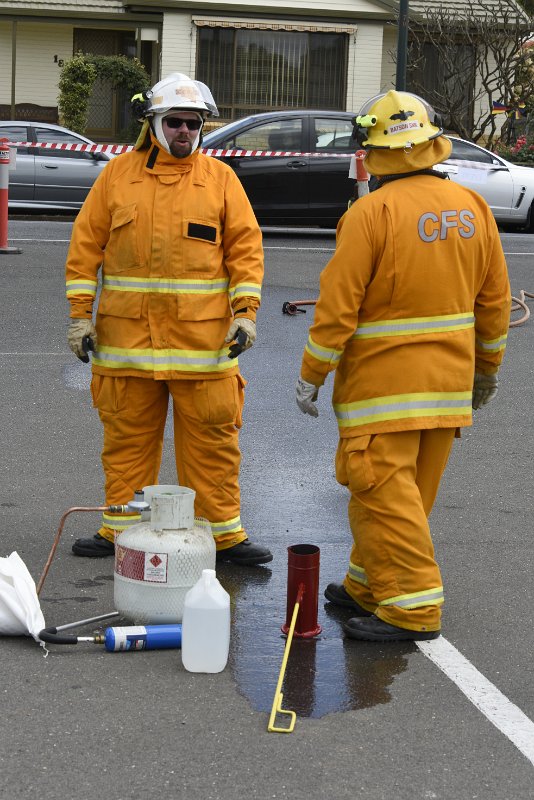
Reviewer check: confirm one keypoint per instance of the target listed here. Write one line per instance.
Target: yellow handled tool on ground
(278, 696)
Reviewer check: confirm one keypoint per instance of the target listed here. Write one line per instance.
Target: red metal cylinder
(303, 582)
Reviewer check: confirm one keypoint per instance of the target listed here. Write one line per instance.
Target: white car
(507, 188)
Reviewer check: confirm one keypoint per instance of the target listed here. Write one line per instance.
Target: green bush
(75, 86)
(77, 79)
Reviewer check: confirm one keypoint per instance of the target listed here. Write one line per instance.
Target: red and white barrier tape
(116, 149)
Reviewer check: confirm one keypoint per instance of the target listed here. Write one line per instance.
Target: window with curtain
(250, 71)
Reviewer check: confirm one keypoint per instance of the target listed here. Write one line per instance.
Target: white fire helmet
(181, 92)
(178, 92)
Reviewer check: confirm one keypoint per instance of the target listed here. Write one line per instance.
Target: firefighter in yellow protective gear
(181, 260)
(412, 315)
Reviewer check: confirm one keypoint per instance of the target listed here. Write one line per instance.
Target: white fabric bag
(20, 612)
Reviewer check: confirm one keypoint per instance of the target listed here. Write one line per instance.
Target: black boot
(95, 547)
(376, 630)
(246, 553)
(338, 595)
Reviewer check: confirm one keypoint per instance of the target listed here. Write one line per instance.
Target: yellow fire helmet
(395, 120)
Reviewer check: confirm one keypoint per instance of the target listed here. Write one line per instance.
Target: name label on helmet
(400, 127)
(431, 226)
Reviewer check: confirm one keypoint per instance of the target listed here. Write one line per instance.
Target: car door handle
(49, 166)
(297, 164)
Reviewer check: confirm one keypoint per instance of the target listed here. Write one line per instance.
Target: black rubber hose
(51, 636)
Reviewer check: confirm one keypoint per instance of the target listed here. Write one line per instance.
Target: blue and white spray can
(143, 637)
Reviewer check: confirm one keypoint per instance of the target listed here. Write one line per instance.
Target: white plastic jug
(206, 625)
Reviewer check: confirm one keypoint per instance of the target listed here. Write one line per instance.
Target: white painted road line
(266, 247)
(507, 717)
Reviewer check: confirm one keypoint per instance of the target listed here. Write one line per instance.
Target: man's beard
(180, 152)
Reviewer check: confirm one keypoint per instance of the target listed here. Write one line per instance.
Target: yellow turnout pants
(393, 480)
(207, 415)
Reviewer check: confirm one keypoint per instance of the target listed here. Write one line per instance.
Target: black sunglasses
(177, 122)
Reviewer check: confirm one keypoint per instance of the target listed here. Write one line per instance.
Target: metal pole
(402, 46)
(13, 65)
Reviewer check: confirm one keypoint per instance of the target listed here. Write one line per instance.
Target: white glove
(484, 389)
(306, 395)
(78, 330)
(247, 326)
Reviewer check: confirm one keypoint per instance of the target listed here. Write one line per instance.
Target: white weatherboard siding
(178, 44)
(325, 8)
(66, 6)
(36, 72)
(366, 54)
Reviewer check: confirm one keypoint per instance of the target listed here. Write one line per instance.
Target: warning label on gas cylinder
(139, 565)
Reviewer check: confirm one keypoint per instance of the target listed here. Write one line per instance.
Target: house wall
(37, 74)
(366, 56)
(331, 8)
(179, 41)
(178, 44)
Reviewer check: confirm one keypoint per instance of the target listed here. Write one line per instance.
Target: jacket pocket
(354, 464)
(127, 305)
(122, 250)
(202, 307)
(201, 245)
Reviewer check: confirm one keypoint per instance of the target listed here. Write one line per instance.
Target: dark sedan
(314, 190)
(292, 189)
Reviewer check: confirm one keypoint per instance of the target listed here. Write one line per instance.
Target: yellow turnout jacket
(179, 250)
(414, 300)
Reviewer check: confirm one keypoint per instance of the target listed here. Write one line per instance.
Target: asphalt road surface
(453, 720)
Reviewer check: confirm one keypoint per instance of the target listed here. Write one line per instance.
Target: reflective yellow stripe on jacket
(116, 283)
(245, 290)
(401, 406)
(81, 286)
(415, 325)
(151, 360)
(322, 353)
(493, 346)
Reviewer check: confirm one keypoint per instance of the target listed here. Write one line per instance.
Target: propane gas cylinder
(158, 560)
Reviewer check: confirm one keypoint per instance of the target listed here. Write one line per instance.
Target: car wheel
(529, 227)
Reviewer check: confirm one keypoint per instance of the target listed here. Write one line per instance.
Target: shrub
(77, 80)
(520, 151)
